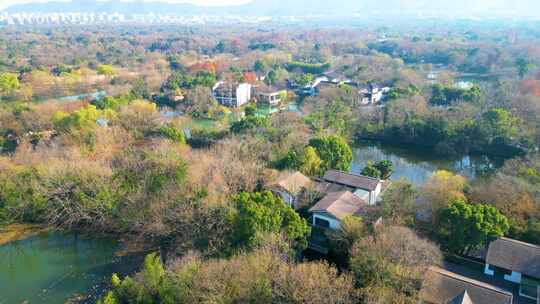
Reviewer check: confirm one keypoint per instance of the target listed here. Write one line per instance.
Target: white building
(334, 207)
(232, 95)
(364, 187)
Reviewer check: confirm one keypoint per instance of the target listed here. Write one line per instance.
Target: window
(322, 223)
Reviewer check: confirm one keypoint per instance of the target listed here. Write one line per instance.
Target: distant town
(80, 18)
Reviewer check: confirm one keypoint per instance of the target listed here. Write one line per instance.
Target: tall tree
(334, 152)
(466, 226)
(260, 213)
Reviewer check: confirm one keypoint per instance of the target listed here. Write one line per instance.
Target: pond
(52, 267)
(417, 165)
(92, 96)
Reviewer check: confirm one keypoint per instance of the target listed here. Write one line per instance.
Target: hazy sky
(6, 3)
(515, 8)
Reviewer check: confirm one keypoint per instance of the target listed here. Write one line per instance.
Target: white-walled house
(334, 207)
(364, 187)
(289, 186)
(269, 95)
(517, 262)
(232, 95)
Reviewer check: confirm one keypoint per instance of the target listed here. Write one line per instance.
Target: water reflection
(52, 267)
(417, 165)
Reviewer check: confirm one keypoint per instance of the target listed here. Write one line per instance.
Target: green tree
(8, 83)
(272, 77)
(498, 124)
(306, 161)
(523, 67)
(107, 70)
(249, 123)
(250, 110)
(464, 226)
(173, 134)
(386, 168)
(260, 213)
(371, 170)
(334, 152)
(304, 79)
(152, 285)
(260, 66)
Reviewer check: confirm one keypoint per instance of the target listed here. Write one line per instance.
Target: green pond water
(54, 267)
(417, 165)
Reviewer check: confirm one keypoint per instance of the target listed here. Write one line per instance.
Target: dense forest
(115, 131)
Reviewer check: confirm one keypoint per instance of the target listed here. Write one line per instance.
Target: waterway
(417, 165)
(52, 267)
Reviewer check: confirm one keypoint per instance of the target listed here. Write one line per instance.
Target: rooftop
(444, 287)
(515, 255)
(292, 182)
(352, 180)
(342, 204)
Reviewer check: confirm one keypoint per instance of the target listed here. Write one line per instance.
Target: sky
(6, 3)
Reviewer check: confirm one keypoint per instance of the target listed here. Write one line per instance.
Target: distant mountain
(366, 8)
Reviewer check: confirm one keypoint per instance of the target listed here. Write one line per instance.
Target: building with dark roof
(365, 187)
(517, 262)
(444, 287)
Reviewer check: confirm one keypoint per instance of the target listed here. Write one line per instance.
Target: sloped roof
(292, 182)
(341, 204)
(352, 180)
(462, 298)
(444, 287)
(515, 255)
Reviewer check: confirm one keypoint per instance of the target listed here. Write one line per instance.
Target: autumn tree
(341, 241)
(440, 190)
(398, 203)
(388, 267)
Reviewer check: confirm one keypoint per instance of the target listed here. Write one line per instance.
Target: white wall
(243, 93)
(373, 195)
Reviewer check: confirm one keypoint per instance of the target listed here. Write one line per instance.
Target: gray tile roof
(352, 180)
(515, 255)
(462, 298)
(442, 287)
(341, 204)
